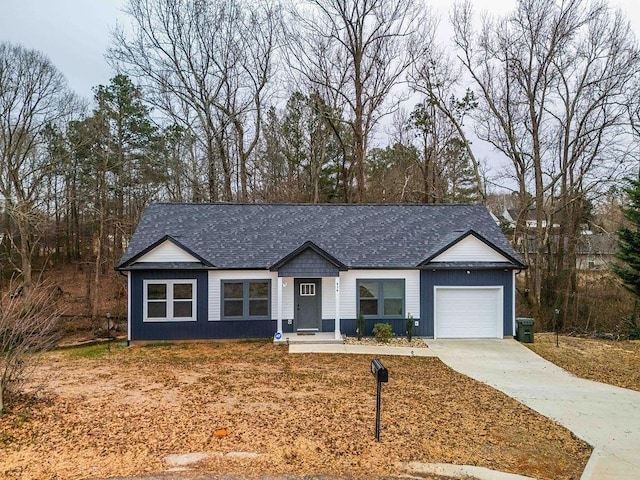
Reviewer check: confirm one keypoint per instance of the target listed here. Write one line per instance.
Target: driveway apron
(606, 417)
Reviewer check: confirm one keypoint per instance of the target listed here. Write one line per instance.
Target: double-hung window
(248, 299)
(381, 298)
(169, 300)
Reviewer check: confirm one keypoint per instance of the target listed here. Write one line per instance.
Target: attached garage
(468, 312)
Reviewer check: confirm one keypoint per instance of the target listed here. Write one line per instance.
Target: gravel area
(393, 342)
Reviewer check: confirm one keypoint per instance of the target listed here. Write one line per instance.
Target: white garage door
(468, 312)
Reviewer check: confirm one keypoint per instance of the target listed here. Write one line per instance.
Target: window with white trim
(246, 299)
(169, 300)
(381, 298)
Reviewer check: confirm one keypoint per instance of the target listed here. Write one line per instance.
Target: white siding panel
(167, 252)
(470, 249)
(468, 312)
(216, 276)
(348, 294)
(328, 298)
(287, 298)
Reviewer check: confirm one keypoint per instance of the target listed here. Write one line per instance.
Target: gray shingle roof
(239, 236)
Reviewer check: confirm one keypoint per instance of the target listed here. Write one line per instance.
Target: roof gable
(308, 260)
(471, 247)
(165, 250)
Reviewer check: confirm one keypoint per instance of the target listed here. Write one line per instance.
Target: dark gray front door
(308, 303)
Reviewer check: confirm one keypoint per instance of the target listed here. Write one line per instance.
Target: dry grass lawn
(613, 362)
(101, 415)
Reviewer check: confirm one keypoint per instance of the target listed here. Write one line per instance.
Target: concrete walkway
(359, 349)
(606, 417)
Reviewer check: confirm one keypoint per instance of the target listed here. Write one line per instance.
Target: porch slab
(307, 338)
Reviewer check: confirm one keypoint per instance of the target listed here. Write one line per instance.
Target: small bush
(382, 332)
(632, 326)
(360, 326)
(410, 324)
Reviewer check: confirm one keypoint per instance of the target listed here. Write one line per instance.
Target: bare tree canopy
(33, 98)
(552, 79)
(436, 74)
(207, 65)
(353, 54)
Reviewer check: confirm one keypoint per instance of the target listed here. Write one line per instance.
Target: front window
(381, 298)
(246, 299)
(169, 300)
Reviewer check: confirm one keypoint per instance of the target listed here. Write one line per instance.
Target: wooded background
(330, 101)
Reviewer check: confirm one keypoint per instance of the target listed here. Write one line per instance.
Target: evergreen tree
(629, 241)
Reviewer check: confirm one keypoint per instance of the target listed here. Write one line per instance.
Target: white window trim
(381, 298)
(246, 299)
(169, 284)
(307, 289)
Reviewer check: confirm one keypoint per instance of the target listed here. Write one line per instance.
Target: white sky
(75, 33)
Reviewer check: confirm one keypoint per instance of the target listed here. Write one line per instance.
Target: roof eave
(157, 243)
(473, 266)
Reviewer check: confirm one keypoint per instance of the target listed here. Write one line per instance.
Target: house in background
(204, 271)
(510, 218)
(596, 251)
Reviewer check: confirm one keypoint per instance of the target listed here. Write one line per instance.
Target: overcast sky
(75, 33)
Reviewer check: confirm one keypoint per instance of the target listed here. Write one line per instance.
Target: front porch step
(308, 337)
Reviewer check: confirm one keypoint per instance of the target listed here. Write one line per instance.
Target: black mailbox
(379, 371)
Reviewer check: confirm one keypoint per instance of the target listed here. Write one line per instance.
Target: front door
(307, 304)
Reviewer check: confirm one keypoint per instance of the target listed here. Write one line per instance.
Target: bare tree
(33, 95)
(213, 58)
(438, 76)
(26, 329)
(354, 53)
(551, 78)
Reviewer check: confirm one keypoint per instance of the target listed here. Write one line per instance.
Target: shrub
(28, 325)
(382, 332)
(632, 326)
(360, 326)
(410, 324)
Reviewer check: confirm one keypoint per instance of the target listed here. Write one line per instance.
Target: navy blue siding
(308, 264)
(202, 328)
(460, 278)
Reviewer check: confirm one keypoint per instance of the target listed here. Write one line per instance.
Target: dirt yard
(613, 362)
(102, 414)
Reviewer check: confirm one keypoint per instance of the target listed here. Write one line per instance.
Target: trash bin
(524, 329)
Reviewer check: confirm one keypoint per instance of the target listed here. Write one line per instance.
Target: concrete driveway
(606, 417)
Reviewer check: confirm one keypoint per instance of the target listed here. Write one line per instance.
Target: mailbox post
(379, 371)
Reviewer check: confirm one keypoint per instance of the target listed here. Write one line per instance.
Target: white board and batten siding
(167, 252)
(329, 298)
(215, 283)
(470, 249)
(349, 294)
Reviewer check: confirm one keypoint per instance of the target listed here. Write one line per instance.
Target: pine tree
(629, 241)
